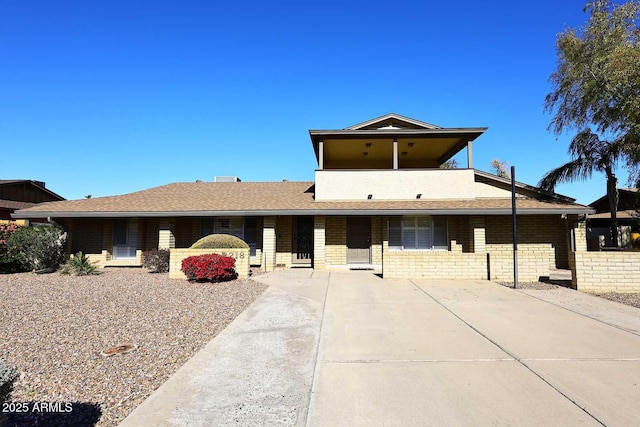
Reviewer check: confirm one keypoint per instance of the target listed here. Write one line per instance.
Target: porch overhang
(374, 148)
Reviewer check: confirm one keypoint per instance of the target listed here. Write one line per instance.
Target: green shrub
(156, 260)
(38, 248)
(220, 241)
(8, 259)
(79, 265)
(8, 375)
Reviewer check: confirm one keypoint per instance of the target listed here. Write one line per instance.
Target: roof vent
(226, 179)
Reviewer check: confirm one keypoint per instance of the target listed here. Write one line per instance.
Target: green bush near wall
(8, 376)
(220, 241)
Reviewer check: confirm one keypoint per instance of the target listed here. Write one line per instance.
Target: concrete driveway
(349, 348)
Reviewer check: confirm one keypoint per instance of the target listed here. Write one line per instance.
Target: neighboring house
(18, 194)
(379, 200)
(599, 224)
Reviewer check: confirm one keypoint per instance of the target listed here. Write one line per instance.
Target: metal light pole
(515, 227)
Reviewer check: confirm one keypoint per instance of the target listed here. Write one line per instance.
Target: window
(125, 238)
(220, 225)
(244, 228)
(418, 232)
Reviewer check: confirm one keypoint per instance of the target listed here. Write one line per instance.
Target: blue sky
(109, 97)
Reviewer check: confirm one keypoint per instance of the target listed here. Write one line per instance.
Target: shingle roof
(275, 198)
(626, 214)
(13, 204)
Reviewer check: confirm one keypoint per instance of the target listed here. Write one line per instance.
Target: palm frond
(577, 169)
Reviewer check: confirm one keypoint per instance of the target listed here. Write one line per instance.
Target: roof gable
(629, 199)
(392, 121)
(26, 190)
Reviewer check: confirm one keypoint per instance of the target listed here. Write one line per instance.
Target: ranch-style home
(380, 200)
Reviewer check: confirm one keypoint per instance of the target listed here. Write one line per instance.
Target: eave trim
(298, 212)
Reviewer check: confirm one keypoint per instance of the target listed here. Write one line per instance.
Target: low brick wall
(104, 259)
(434, 264)
(605, 271)
(177, 255)
(534, 261)
(532, 264)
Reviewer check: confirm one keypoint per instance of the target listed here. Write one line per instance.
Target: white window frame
(412, 223)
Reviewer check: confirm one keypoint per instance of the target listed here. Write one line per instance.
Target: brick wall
(284, 240)
(87, 235)
(435, 264)
(542, 239)
(533, 262)
(336, 240)
(460, 231)
(177, 255)
(542, 244)
(378, 229)
(187, 231)
(606, 271)
(319, 242)
(269, 242)
(532, 230)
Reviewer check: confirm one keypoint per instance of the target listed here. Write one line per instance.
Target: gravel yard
(632, 299)
(628, 299)
(53, 329)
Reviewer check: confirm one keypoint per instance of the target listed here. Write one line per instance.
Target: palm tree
(590, 153)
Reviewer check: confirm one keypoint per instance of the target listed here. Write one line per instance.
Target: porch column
(319, 254)
(395, 154)
(69, 229)
(469, 155)
(269, 242)
(479, 235)
(577, 234)
(577, 242)
(321, 155)
(166, 235)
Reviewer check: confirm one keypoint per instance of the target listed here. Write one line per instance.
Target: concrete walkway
(351, 349)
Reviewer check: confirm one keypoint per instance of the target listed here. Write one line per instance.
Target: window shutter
(423, 232)
(409, 240)
(222, 225)
(395, 233)
(440, 237)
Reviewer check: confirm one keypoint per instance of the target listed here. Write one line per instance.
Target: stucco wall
(394, 184)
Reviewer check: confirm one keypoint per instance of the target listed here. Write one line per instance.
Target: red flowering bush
(209, 268)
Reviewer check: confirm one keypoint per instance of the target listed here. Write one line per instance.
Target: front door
(358, 240)
(302, 240)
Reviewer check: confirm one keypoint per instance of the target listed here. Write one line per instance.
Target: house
(599, 223)
(16, 194)
(379, 200)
